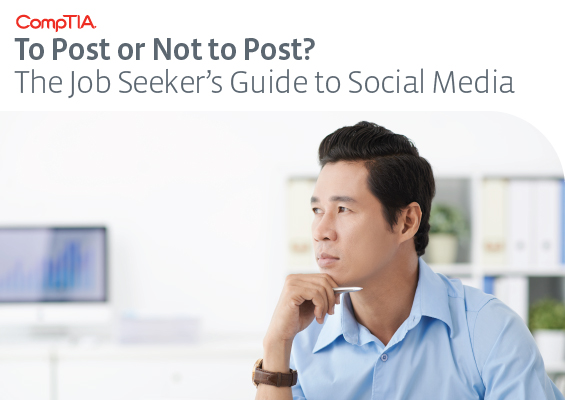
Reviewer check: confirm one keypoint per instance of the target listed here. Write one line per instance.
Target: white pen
(340, 290)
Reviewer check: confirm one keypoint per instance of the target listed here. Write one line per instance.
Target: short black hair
(397, 174)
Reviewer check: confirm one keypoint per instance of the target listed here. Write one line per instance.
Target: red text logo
(25, 21)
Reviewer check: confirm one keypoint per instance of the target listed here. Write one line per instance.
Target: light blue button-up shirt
(458, 343)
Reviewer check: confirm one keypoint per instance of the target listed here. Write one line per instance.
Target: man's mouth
(326, 260)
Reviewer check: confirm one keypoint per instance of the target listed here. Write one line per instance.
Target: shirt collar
(431, 299)
(435, 296)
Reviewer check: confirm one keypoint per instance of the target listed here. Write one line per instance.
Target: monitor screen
(53, 264)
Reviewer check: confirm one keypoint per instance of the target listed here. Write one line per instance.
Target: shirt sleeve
(297, 393)
(507, 357)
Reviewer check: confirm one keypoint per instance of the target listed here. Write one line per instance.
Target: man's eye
(317, 211)
(343, 209)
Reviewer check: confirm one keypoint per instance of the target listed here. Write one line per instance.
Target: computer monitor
(53, 265)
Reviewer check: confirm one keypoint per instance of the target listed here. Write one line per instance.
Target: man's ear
(409, 220)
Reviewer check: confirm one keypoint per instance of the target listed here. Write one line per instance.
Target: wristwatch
(277, 379)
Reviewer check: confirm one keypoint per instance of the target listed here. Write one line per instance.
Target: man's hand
(303, 298)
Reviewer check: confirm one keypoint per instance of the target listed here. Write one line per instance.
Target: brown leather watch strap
(277, 379)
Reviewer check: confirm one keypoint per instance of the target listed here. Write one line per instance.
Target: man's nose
(324, 228)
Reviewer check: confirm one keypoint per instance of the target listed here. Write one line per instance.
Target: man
(409, 333)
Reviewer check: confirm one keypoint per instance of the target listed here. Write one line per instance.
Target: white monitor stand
(55, 322)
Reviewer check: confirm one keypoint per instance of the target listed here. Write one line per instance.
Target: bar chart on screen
(66, 272)
(38, 265)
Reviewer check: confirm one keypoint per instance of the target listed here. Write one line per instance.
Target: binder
(299, 222)
(488, 284)
(562, 212)
(513, 291)
(494, 221)
(521, 223)
(547, 217)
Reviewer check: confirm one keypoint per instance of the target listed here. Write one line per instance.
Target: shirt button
(384, 357)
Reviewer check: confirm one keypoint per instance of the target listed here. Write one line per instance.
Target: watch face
(258, 364)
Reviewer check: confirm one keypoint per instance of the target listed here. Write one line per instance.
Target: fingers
(313, 291)
(320, 300)
(333, 284)
(315, 287)
(323, 297)
(329, 292)
(330, 280)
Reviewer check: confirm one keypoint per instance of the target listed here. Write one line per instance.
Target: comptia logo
(25, 21)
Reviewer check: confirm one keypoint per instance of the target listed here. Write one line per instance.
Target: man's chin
(340, 279)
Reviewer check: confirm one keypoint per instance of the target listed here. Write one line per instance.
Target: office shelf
(466, 269)
(453, 270)
(555, 368)
(533, 272)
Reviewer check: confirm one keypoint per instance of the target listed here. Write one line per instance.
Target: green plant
(447, 219)
(547, 314)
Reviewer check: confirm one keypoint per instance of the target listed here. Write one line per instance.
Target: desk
(124, 372)
(112, 372)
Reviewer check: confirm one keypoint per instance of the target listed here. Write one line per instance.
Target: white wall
(194, 202)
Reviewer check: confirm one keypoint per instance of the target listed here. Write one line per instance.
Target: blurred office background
(189, 223)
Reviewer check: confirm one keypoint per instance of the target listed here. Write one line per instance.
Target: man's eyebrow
(346, 199)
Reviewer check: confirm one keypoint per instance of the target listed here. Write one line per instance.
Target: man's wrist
(276, 355)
